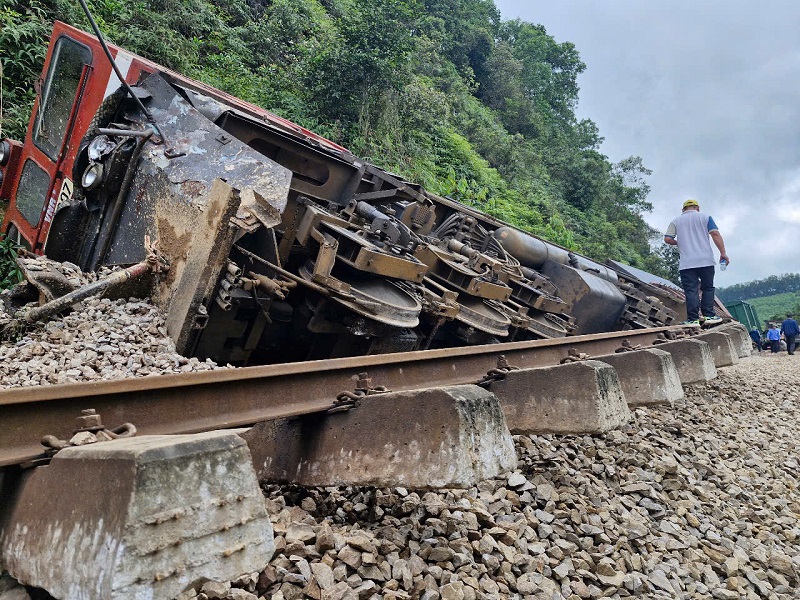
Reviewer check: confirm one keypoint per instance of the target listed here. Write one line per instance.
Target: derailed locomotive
(282, 245)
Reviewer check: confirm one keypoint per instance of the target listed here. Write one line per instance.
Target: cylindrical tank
(528, 250)
(534, 253)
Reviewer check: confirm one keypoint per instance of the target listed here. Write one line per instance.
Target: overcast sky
(707, 92)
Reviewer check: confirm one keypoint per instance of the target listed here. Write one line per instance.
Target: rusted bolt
(89, 421)
(498, 373)
(502, 363)
(574, 356)
(627, 347)
(364, 381)
(346, 399)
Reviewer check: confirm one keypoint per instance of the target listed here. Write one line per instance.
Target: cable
(116, 68)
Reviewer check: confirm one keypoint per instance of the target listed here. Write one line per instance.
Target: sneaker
(694, 322)
(714, 319)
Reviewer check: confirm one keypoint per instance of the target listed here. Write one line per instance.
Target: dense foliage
(10, 273)
(775, 308)
(761, 288)
(772, 297)
(441, 91)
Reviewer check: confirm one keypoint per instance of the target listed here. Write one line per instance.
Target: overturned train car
(282, 245)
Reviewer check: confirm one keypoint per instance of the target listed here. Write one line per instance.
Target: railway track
(126, 516)
(196, 402)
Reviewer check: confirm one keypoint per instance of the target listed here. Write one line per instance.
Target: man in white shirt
(690, 232)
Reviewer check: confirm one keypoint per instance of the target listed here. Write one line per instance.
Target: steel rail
(202, 401)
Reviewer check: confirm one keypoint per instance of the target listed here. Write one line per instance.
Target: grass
(775, 307)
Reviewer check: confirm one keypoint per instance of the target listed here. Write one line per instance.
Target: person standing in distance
(690, 232)
(755, 335)
(774, 337)
(790, 331)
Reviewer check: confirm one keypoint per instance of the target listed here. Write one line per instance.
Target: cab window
(14, 234)
(61, 85)
(34, 185)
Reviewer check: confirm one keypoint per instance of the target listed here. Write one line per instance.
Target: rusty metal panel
(460, 276)
(381, 263)
(192, 285)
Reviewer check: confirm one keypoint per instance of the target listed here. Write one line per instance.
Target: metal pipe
(234, 269)
(272, 287)
(53, 307)
(234, 280)
(288, 274)
(125, 132)
(367, 211)
(534, 253)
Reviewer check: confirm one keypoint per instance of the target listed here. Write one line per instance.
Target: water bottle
(723, 264)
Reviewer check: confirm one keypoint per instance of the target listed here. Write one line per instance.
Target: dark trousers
(775, 346)
(790, 343)
(696, 282)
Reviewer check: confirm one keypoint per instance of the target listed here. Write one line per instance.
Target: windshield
(61, 85)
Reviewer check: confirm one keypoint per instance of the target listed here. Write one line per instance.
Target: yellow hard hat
(691, 202)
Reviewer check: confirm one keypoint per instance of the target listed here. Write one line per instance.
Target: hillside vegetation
(440, 91)
(772, 297)
(774, 308)
(761, 288)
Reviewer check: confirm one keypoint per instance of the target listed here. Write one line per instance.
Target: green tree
(548, 77)
(439, 91)
(669, 263)
(24, 29)
(761, 288)
(367, 55)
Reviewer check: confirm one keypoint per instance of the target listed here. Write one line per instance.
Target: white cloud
(707, 94)
(787, 209)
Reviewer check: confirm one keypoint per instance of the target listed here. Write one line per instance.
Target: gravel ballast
(699, 500)
(104, 339)
(98, 339)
